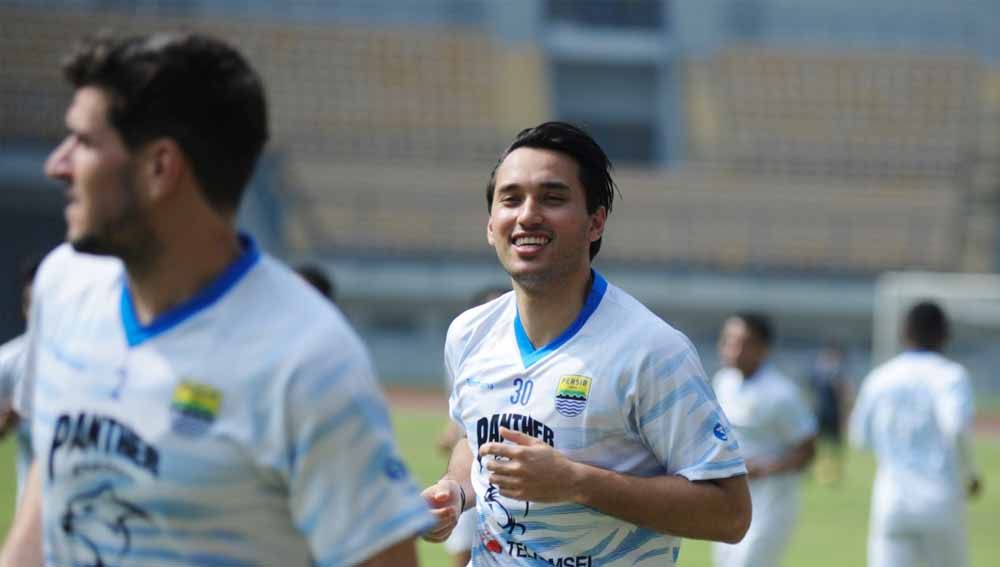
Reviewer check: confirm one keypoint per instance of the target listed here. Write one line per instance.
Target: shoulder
(475, 324)
(779, 382)
(71, 272)
(630, 323)
(12, 350)
(273, 305)
(13, 347)
(726, 378)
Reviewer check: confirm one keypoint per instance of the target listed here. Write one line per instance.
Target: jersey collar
(531, 355)
(136, 333)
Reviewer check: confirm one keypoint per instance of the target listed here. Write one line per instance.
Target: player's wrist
(576, 482)
(463, 499)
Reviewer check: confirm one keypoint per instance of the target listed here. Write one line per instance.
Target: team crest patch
(571, 396)
(194, 407)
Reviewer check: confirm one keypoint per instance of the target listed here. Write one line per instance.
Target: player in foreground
(12, 355)
(915, 412)
(593, 437)
(193, 402)
(776, 430)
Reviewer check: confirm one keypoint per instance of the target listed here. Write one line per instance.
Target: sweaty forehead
(526, 167)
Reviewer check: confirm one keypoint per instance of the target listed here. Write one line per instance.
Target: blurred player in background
(12, 355)
(592, 435)
(459, 543)
(831, 391)
(776, 430)
(319, 280)
(915, 412)
(187, 405)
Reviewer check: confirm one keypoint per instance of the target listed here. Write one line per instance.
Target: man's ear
(162, 166)
(597, 221)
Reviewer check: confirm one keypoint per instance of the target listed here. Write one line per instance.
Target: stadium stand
(844, 162)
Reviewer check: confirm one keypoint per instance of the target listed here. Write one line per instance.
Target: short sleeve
(956, 408)
(451, 365)
(350, 494)
(859, 424)
(680, 420)
(798, 422)
(23, 373)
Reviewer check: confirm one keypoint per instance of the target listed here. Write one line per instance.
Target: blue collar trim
(136, 333)
(530, 355)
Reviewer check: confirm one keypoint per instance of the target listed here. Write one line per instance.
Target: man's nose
(59, 164)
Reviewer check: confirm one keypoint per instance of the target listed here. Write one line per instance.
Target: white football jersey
(619, 389)
(243, 427)
(912, 412)
(767, 411)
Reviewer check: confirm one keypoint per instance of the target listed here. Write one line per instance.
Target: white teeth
(530, 240)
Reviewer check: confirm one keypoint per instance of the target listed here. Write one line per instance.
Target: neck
(750, 371)
(183, 264)
(548, 311)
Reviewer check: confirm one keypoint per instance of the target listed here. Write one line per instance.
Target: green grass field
(831, 532)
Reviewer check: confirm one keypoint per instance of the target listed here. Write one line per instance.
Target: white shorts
(464, 534)
(927, 548)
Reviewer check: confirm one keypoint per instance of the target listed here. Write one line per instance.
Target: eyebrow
(556, 185)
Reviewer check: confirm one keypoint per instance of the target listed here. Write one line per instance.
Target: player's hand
(529, 469)
(445, 501)
(8, 420)
(974, 487)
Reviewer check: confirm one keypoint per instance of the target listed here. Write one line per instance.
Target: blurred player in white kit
(915, 412)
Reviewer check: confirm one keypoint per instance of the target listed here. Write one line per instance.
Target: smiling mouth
(531, 240)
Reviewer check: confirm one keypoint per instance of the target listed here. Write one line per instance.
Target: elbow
(736, 528)
(738, 520)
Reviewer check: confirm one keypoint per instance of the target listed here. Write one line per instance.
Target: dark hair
(317, 278)
(926, 326)
(759, 325)
(487, 294)
(191, 88)
(595, 167)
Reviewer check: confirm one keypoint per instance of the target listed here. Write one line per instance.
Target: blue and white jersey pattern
(11, 372)
(913, 413)
(243, 427)
(620, 389)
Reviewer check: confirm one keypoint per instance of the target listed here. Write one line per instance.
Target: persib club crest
(571, 396)
(194, 407)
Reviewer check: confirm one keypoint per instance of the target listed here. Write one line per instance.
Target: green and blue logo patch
(572, 394)
(194, 407)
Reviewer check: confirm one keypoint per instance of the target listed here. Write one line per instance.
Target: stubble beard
(554, 274)
(126, 235)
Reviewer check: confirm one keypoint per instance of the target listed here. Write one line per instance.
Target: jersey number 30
(522, 392)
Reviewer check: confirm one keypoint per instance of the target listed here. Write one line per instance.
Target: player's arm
(23, 547)
(451, 495)
(859, 422)
(793, 460)
(530, 469)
